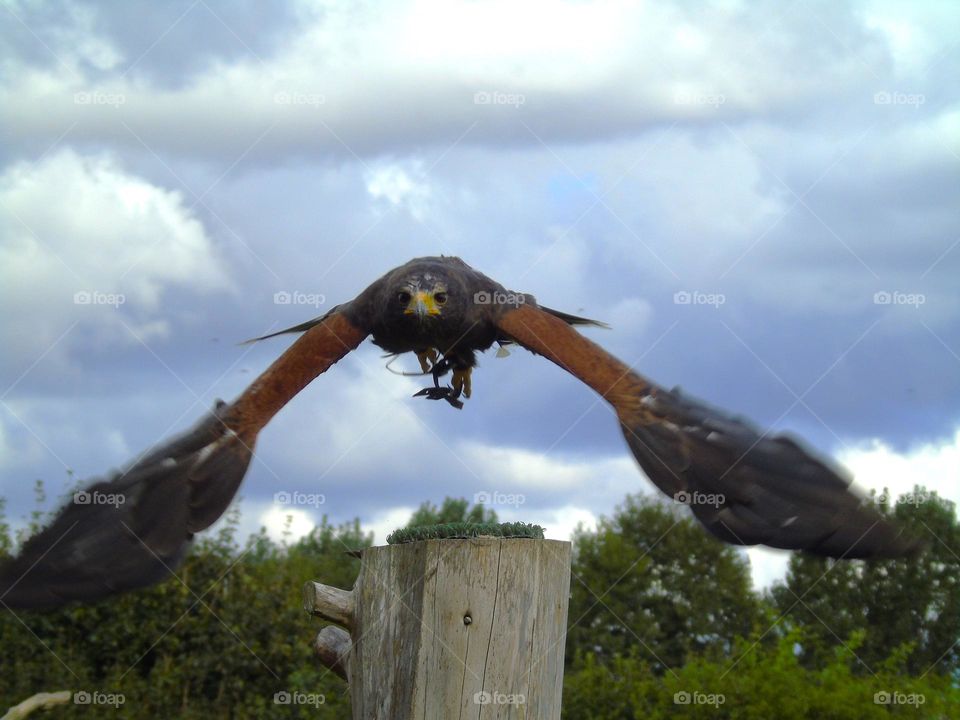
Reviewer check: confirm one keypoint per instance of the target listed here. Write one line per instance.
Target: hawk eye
(440, 298)
(404, 297)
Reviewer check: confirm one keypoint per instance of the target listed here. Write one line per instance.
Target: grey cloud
(165, 45)
(592, 198)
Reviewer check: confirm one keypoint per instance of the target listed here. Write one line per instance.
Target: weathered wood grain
(451, 629)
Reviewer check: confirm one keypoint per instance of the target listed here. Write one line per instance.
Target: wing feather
(135, 527)
(745, 486)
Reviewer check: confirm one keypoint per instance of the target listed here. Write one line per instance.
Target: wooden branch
(40, 701)
(333, 646)
(330, 603)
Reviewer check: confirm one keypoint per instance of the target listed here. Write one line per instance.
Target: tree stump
(452, 628)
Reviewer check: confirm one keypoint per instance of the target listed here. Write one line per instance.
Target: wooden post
(453, 628)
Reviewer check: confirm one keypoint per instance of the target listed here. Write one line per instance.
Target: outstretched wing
(746, 487)
(133, 529)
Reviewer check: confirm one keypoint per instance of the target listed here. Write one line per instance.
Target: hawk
(766, 489)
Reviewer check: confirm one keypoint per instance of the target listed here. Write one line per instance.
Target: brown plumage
(744, 486)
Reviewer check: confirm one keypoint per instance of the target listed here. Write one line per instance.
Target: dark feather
(746, 487)
(135, 527)
(574, 319)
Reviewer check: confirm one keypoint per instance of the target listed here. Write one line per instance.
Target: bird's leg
(439, 369)
(461, 381)
(428, 359)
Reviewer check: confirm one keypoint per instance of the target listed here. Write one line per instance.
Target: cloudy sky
(760, 198)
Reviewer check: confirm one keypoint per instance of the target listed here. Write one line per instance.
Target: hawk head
(426, 296)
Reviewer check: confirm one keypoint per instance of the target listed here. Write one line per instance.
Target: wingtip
(574, 319)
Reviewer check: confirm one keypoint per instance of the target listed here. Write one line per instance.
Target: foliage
(220, 641)
(660, 613)
(465, 530)
(756, 681)
(911, 604)
(453, 510)
(650, 577)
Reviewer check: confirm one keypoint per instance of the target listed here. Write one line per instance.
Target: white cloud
(400, 187)
(911, 30)
(934, 465)
(561, 523)
(282, 523)
(385, 522)
(82, 240)
(767, 565)
(285, 523)
(421, 64)
(519, 469)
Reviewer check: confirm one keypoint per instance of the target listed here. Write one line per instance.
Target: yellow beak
(422, 303)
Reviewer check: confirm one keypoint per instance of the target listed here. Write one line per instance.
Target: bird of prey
(755, 488)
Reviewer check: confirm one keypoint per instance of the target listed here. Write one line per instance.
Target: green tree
(453, 510)
(910, 602)
(651, 579)
(755, 681)
(217, 642)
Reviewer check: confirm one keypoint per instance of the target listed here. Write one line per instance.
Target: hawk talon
(461, 382)
(428, 359)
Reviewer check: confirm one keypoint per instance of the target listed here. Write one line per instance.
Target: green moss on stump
(465, 530)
